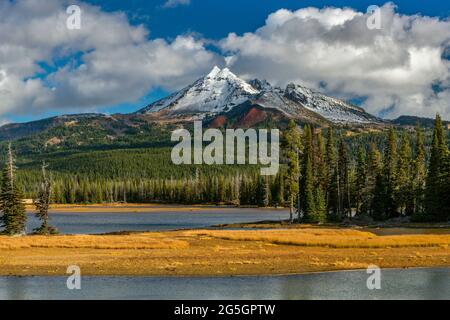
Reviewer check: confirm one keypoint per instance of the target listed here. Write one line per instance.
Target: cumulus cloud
(45, 65)
(402, 68)
(176, 3)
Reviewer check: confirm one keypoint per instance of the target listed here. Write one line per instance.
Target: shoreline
(139, 207)
(233, 275)
(264, 224)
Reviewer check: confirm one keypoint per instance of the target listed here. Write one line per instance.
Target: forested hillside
(93, 162)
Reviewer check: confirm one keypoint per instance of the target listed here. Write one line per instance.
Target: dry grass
(332, 238)
(113, 242)
(220, 252)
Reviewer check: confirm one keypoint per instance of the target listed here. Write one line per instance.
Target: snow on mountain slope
(219, 91)
(330, 108)
(276, 99)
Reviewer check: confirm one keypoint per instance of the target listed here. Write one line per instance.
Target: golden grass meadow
(221, 252)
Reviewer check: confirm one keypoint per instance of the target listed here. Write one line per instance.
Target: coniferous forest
(400, 178)
(325, 175)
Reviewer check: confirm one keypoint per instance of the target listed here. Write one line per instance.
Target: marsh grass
(331, 238)
(220, 252)
(113, 242)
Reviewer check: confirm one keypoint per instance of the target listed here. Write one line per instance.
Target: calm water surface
(396, 284)
(95, 222)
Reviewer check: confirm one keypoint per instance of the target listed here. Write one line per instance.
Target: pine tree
(344, 203)
(390, 176)
(373, 194)
(405, 194)
(11, 204)
(309, 198)
(435, 183)
(278, 191)
(292, 145)
(320, 172)
(445, 213)
(42, 204)
(237, 190)
(266, 199)
(332, 199)
(320, 163)
(263, 192)
(419, 174)
(361, 182)
(320, 208)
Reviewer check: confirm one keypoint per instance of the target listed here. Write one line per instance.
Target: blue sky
(217, 18)
(214, 20)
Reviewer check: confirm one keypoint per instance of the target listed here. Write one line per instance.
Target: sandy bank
(124, 208)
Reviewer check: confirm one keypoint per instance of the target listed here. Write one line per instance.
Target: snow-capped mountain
(219, 91)
(332, 109)
(222, 91)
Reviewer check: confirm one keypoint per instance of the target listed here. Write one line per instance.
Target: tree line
(321, 179)
(13, 219)
(324, 184)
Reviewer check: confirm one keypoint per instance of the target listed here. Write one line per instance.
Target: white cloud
(116, 63)
(394, 68)
(176, 3)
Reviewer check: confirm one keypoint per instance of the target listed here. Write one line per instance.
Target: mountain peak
(214, 72)
(217, 73)
(225, 73)
(221, 90)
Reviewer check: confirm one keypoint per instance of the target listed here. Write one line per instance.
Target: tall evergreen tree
(390, 175)
(320, 163)
(278, 189)
(320, 172)
(307, 199)
(344, 181)
(292, 145)
(332, 177)
(320, 213)
(445, 213)
(309, 195)
(373, 194)
(419, 173)
(405, 167)
(11, 200)
(435, 184)
(361, 182)
(263, 192)
(237, 189)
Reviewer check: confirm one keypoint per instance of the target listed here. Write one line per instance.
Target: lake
(168, 218)
(395, 284)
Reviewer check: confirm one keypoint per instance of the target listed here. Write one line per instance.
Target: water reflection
(100, 222)
(16, 288)
(396, 284)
